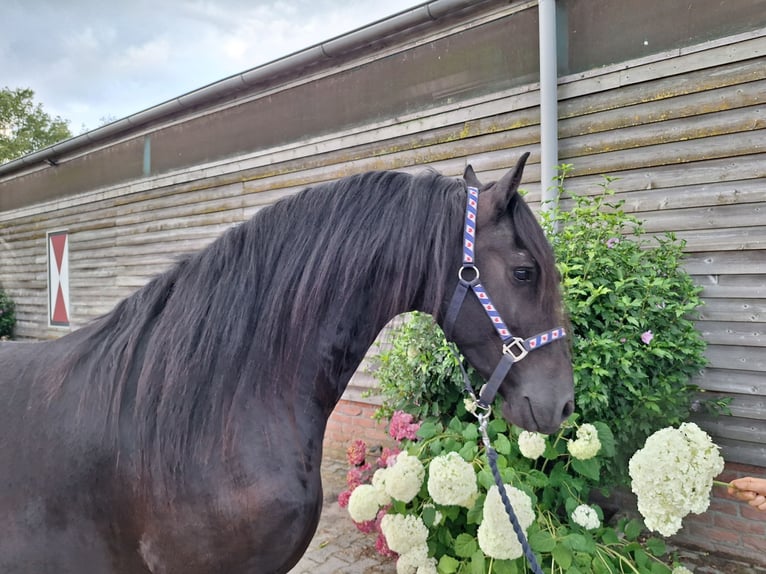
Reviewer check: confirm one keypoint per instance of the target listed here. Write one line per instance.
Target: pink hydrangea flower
(647, 337)
(356, 452)
(366, 527)
(343, 498)
(382, 547)
(402, 427)
(357, 475)
(388, 453)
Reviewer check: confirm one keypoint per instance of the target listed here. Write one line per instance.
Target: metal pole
(549, 143)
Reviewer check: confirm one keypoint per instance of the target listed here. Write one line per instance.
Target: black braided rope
(492, 457)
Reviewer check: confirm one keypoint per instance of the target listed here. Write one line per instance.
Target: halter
(514, 348)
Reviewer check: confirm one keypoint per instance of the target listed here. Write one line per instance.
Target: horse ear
(470, 177)
(504, 190)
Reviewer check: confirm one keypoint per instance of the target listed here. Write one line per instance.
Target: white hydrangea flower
(672, 475)
(531, 444)
(496, 536)
(403, 532)
(452, 481)
(586, 517)
(379, 483)
(587, 443)
(681, 570)
(363, 503)
(416, 561)
(428, 568)
(404, 479)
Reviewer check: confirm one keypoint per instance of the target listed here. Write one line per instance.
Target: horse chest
(264, 527)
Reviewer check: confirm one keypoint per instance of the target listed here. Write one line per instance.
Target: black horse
(182, 432)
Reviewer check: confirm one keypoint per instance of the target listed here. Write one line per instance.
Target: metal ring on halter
(516, 349)
(473, 268)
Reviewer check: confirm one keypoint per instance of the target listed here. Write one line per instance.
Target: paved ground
(339, 548)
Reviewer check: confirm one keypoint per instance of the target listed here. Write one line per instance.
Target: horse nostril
(568, 409)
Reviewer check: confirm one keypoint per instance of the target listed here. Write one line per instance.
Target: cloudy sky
(91, 60)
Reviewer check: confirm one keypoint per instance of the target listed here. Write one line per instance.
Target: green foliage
(7, 315)
(418, 371)
(24, 126)
(556, 483)
(618, 286)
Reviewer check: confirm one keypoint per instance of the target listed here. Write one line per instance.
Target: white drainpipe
(549, 143)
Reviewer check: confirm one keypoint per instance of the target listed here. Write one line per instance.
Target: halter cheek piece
(514, 348)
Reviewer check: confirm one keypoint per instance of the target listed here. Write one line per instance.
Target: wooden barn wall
(684, 132)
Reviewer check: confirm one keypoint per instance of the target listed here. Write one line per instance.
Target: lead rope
(482, 414)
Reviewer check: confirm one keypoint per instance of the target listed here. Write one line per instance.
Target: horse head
(513, 264)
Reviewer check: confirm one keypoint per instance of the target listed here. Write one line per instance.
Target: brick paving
(338, 547)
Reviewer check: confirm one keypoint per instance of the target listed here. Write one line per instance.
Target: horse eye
(522, 274)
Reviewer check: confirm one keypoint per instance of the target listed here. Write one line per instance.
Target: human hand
(752, 490)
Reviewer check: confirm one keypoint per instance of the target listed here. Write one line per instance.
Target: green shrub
(631, 306)
(418, 371)
(7, 315)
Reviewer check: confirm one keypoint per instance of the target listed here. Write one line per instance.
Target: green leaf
(428, 429)
(606, 438)
(610, 537)
(590, 468)
(456, 425)
(537, 479)
(656, 546)
(542, 541)
(485, 478)
(447, 565)
(471, 432)
(465, 545)
(602, 565)
(469, 451)
(428, 516)
(633, 529)
(562, 556)
(478, 562)
(505, 567)
(580, 543)
(502, 444)
(476, 513)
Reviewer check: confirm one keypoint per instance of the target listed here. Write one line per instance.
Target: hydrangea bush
(7, 315)
(631, 305)
(434, 507)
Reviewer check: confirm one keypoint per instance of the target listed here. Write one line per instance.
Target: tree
(24, 126)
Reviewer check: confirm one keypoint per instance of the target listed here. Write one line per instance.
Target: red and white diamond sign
(58, 278)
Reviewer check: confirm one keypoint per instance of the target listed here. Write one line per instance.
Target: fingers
(757, 485)
(758, 501)
(746, 495)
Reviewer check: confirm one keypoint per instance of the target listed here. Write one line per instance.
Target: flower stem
(724, 484)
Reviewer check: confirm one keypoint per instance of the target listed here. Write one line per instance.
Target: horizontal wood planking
(685, 136)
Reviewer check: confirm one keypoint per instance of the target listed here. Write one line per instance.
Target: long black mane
(172, 360)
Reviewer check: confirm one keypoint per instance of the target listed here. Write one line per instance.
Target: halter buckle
(515, 349)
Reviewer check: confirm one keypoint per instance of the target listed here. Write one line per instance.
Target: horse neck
(350, 326)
